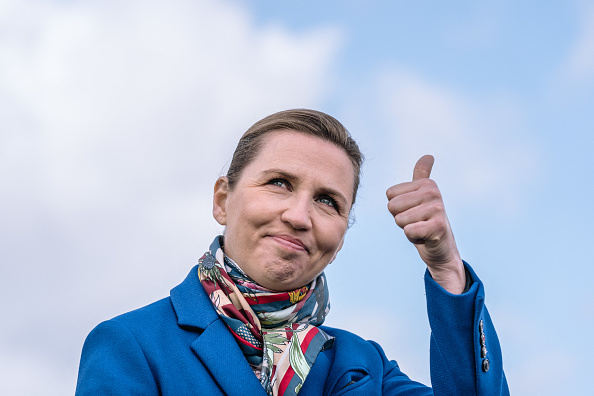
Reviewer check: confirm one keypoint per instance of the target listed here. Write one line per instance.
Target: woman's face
(288, 212)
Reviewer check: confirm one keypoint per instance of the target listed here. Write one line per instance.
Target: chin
(282, 276)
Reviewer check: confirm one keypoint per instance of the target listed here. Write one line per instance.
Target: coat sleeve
(113, 363)
(465, 353)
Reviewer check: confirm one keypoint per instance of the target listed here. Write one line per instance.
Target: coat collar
(191, 303)
(215, 347)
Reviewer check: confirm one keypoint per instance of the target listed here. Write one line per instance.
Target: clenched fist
(418, 209)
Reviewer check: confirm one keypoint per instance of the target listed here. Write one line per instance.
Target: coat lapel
(218, 351)
(215, 346)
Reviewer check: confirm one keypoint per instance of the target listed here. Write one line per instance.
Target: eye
(326, 200)
(280, 183)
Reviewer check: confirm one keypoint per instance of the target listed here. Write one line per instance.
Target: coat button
(486, 365)
(484, 352)
(483, 339)
(481, 326)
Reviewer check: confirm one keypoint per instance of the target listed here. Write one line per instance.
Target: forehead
(308, 156)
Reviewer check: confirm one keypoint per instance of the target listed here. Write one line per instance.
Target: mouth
(290, 242)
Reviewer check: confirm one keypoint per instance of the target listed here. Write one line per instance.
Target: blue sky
(117, 117)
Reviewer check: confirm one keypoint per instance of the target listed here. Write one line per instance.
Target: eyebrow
(289, 176)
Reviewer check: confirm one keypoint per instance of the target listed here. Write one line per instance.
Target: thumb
(423, 167)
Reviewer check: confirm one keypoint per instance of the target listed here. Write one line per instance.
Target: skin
(418, 209)
(287, 215)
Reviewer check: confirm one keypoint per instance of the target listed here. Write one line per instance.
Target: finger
(423, 167)
(419, 213)
(402, 203)
(401, 188)
(432, 231)
(426, 192)
(424, 187)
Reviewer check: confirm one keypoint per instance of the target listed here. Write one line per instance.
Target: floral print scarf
(276, 331)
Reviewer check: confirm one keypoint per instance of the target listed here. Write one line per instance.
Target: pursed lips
(291, 241)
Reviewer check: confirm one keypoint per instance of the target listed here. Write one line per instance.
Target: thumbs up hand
(418, 209)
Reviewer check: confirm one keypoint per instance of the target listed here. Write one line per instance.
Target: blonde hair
(306, 121)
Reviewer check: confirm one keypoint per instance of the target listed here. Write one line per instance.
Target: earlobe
(219, 200)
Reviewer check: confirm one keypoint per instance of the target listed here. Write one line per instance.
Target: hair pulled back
(306, 121)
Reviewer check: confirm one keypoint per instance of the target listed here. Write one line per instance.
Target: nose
(298, 212)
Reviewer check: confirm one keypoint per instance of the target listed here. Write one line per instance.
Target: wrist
(451, 276)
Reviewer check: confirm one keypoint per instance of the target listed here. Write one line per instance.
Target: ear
(219, 200)
(337, 250)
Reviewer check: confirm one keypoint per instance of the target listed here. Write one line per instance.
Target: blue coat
(180, 346)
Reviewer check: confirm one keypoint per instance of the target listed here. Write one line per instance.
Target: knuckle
(413, 233)
(408, 230)
(395, 205)
(400, 221)
(434, 192)
(392, 207)
(437, 207)
(441, 224)
(428, 183)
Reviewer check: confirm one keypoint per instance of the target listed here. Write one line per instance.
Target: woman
(248, 318)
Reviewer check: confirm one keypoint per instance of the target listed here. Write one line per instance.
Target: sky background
(116, 118)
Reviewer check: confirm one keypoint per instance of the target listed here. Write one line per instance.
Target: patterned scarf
(276, 331)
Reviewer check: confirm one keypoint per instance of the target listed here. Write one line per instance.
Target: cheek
(331, 236)
(249, 214)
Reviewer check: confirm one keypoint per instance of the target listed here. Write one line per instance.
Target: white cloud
(514, 328)
(100, 80)
(30, 374)
(579, 65)
(404, 338)
(479, 153)
(115, 120)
